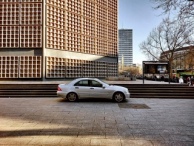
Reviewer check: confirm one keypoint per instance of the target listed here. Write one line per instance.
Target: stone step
(163, 97)
(136, 90)
(28, 93)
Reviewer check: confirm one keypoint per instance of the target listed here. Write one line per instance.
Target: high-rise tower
(126, 47)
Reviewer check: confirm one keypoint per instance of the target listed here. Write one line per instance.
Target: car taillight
(59, 89)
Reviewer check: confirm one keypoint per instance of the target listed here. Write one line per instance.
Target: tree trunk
(170, 67)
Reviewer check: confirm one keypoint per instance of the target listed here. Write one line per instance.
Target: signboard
(155, 67)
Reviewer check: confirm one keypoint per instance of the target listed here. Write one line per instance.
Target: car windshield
(104, 82)
(68, 82)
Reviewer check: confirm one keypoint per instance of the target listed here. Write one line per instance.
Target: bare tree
(185, 8)
(132, 70)
(163, 41)
(189, 58)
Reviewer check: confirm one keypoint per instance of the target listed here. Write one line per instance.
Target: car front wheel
(72, 97)
(118, 97)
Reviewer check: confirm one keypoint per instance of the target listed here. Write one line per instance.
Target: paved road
(53, 121)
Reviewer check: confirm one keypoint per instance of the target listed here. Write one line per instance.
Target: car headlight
(127, 91)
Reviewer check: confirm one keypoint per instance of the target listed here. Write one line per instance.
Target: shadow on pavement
(91, 100)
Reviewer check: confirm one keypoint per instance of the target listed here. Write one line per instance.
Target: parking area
(136, 122)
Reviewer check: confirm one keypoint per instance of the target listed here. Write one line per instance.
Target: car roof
(78, 79)
(85, 78)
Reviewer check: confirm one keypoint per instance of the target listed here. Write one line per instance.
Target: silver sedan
(91, 88)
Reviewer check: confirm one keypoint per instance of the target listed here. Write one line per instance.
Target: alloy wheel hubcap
(118, 97)
(72, 97)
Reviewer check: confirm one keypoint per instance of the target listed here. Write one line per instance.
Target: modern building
(50, 39)
(125, 47)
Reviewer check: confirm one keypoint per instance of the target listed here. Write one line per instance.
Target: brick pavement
(54, 121)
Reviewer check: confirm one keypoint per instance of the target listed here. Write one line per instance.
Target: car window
(96, 84)
(82, 83)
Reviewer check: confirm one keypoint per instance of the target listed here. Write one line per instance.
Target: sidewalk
(54, 121)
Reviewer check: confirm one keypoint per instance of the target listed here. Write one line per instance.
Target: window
(96, 84)
(82, 83)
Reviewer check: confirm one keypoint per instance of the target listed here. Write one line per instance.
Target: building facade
(183, 58)
(125, 47)
(53, 39)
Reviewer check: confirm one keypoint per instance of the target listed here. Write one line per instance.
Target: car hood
(117, 87)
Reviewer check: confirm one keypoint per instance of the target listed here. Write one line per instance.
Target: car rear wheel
(119, 97)
(72, 97)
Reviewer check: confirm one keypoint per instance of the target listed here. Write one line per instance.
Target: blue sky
(139, 16)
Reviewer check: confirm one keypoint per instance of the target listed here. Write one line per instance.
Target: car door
(97, 89)
(82, 88)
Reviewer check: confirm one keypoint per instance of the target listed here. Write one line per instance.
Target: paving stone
(159, 143)
(181, 138)
(106, 142)
(71, 141)
(51, 140)
(15, 141)
(91, 134)
(175, 143)
(126, 134)
(168, 122)
(188, 143)
(128, 142)
(113, 135)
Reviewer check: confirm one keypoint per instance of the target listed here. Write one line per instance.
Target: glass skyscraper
(125, 47)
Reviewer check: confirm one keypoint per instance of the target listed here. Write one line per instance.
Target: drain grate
(134, 106)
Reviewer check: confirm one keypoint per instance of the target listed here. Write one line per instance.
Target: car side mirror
(103, 86)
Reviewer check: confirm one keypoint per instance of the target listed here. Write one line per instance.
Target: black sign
(155, 68)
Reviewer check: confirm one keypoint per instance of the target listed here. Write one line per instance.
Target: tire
(119, 97)
(72, 97)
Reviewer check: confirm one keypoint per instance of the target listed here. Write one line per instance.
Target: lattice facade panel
(10, 0)
(112, 69)
(73, 41)
(20, 66)
(88, 44)
(9, 14)
(87, 20)
(55, 38)
(21, 23)
(9, 66)
(30, 67)
(73, 22)
(112, 4)
(55, 17)
(74, 6)
(73, 68)
(31, 0)
(89, 68)
(101, 13)
(57, 3)
(9, 36)
(112, 19)
(31, 36)
(88, 27)
(89, 9)
(55, 67)
(102, 71)
(31, 14)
